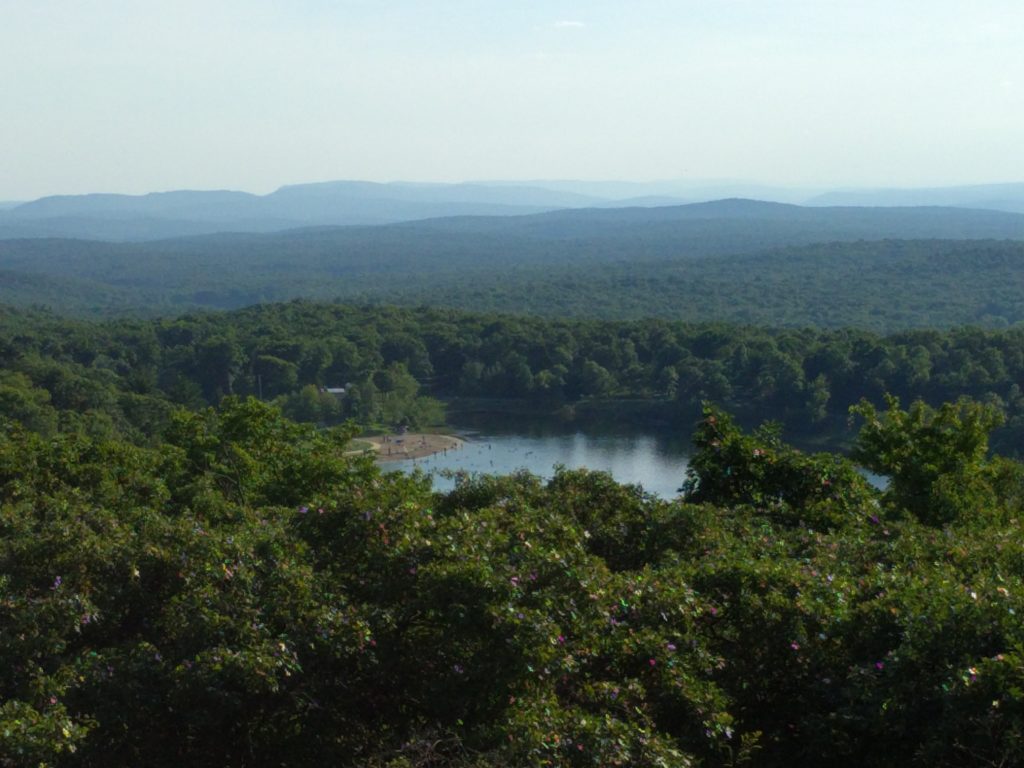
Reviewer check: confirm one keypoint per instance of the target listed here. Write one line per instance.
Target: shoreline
(413, 445)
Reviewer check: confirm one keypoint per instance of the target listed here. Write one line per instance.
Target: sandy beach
(413, 445)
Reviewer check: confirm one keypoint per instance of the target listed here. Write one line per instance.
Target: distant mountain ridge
(161, 215)
(998, 197)
(741, 225)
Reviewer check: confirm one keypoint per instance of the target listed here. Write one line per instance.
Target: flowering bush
(247, 594)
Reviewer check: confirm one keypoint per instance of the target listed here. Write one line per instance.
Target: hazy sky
(141, 95)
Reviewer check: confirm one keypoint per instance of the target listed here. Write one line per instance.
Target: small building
(338, 392)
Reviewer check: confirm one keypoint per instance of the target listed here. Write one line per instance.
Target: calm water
(497, 444)
(500, 446)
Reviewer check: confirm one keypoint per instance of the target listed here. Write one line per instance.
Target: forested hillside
(736, 261)
(124, 376)
(882, 286)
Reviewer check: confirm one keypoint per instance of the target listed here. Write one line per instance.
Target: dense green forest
(883, 286)
(244, 593)
(730, 261)
(196, 569)
(124, 377)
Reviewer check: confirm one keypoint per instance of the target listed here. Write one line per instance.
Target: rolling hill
(186, 213)
(736, 260)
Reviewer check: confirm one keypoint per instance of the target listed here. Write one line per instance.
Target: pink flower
(795, 645)
(652, 662)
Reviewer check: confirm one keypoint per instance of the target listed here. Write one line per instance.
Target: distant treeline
(125, 376)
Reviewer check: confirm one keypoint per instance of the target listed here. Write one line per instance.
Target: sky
(135, 96)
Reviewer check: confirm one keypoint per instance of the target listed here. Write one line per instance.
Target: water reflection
(656, 463)
(500, 444)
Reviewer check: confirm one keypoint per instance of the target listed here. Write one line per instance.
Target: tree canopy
(246, 593)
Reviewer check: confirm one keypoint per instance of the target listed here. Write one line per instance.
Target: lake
(497, 445)
(500, 444)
